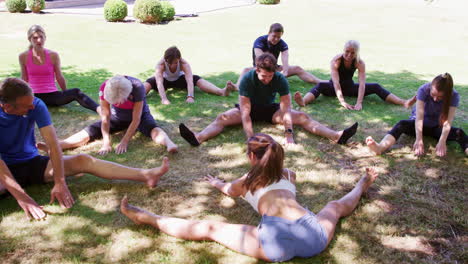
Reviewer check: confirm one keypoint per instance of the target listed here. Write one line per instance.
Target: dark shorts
(262, 112)
(147, 124)
(180, 83)
(30, 172)
(284, 239)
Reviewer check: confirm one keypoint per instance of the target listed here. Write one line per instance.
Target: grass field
(416, 212)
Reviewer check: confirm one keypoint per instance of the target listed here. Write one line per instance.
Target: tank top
(172, 76)
(346, 74)
(282, 184)
(41, 77)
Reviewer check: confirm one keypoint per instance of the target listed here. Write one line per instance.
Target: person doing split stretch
(287, 229)
(432, 116)
(341, 84)
(40, 67)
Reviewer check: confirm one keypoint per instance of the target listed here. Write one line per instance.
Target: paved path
(182, 7)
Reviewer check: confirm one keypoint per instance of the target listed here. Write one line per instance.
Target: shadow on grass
(416, 198)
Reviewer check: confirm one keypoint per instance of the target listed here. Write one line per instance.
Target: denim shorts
(283, 239)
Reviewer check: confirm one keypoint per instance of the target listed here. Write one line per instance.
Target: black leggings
(59, 98)
(349, 89)
(408, 127)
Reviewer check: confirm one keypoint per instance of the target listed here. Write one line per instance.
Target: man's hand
(441, 149)
(32, 209)
(106, 148)
(358, 106)
(165, 102)
(418, 147)
(121, 147)
(62, 194)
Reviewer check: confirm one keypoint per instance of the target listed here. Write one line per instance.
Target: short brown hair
(12, 88)
(172, 54)
(266, 61)
(276, 27)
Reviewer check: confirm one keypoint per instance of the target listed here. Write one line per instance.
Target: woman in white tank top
(287, 229)
(172, 71)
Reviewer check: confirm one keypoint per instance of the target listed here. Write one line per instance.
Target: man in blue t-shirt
(257, 92)
(22, 165)
(272, 43)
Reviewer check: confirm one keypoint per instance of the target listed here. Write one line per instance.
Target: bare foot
(410, 102)
(373, 146)
(42, 146)
(153, 175)
(230, 87)
(368, 179)
(137, 215)
(172, 148)
(299, 100)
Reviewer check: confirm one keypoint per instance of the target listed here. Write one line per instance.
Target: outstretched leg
(378, 148)
(303, 101)
(74, 141)
(391, 98)
(83, 163)
(328, 217)
(302, 74)
(160, 137)
(240, 238)
(208, 87)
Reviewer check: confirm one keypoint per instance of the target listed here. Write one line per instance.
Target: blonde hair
(355, 45)
(117, 89)
(35, 29)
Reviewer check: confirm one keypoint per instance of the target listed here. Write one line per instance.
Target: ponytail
(444, 83)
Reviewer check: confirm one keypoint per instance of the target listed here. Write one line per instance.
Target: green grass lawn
(416, 212)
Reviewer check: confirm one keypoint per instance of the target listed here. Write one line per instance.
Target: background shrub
(115, 10)
(36, 5)
(147, 11)
(168, 11)
(268, 2)
(15, 6)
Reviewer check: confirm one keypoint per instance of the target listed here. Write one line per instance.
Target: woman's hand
(212, 180)
(441, 149)
(358, 106)
(347, 106)
(418, 147)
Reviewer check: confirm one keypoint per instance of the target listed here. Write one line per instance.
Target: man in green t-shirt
(257, 92)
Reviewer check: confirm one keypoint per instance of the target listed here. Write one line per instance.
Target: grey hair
(355, 45)
(117, 89)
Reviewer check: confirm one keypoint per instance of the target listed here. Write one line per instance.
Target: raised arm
(233, 189)
(30, 207)
(441, 148)
(60, 190)
(136, 118)
(158, 75)
(58, 70)
(418, 146)
(185, 67)
(245, 108)
(105, 127)
(285, 108)
(362, 84)
(334, 65)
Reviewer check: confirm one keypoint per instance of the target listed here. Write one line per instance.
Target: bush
(15, 6)
(147, 11)
(168, 11)
(115, 10)
(268, 2)
(36, 5)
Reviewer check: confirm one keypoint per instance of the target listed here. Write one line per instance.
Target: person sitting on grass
(272, 43)
(22, 165)
(257, 93)
(128, 111)
(341, 84)
(432, 116)
(40, 67)
(287, 229)
(172, 71)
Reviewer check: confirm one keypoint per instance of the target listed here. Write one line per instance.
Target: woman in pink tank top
(287, 229)
(41, 68)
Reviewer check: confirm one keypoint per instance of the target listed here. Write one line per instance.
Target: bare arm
(136, 118)
(362, 84)
(245, 108)
(258, 52)
(285, 62)
(105, 127)
(58, 71)
(441, 148)
(22, 61)
(334, 64)
(285, 108)
(418, 146)
(185, 67)
(233, 189)
(60, 190)
(30, 207)
(158, 75)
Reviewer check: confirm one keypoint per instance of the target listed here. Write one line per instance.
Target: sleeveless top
(282, 184)
(41, 77)
(346, 74)
(172, 76)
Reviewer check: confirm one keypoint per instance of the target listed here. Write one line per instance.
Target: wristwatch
(288, 131)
